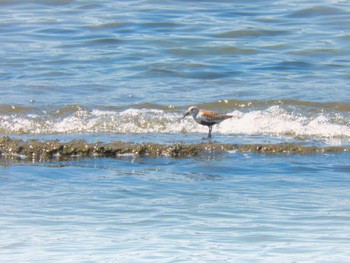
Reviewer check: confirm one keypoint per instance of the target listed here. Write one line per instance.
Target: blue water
(117, 53)
(127, 70)
(224, 208)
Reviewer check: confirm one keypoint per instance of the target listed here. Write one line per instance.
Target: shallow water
(107, 71)
(223, 208)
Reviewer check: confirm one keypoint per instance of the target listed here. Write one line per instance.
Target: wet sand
(55, 150)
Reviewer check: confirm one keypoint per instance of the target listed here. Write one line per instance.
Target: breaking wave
(273, 121)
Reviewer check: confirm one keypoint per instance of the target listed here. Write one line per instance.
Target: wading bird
(206, 118)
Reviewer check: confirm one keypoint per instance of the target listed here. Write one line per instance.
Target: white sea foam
(274, 121)
(277, 121)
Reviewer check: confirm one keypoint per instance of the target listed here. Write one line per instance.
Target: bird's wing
(213, 116)
(209, 114)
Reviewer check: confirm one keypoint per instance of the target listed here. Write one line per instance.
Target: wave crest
(274, 121)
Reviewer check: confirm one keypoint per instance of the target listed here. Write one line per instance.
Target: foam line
(273, 121)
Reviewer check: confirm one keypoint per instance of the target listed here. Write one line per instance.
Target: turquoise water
(127, 70)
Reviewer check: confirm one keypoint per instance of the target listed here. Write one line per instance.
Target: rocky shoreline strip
(55, 150)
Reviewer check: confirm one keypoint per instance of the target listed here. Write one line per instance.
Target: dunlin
(206, 118)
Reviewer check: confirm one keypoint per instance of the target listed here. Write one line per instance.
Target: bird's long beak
(186, 114)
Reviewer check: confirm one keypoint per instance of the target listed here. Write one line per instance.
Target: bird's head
(193, 110)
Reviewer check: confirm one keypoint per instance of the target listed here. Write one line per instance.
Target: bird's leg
(209, 134)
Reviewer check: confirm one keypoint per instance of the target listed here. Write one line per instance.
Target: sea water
(229, 208)
(104, 71)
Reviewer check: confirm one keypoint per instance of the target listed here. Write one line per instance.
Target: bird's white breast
(199, 117)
